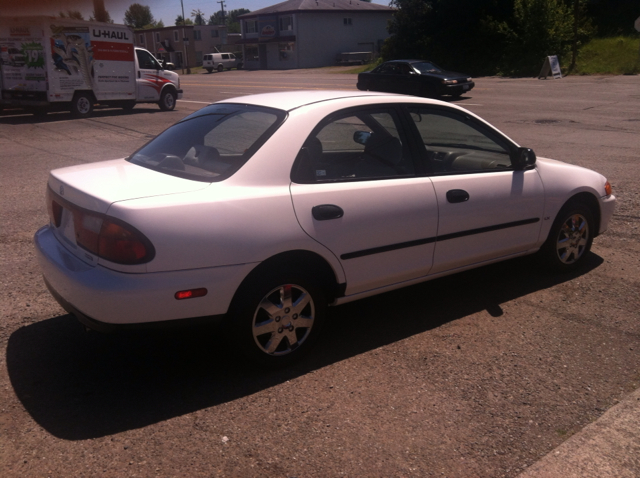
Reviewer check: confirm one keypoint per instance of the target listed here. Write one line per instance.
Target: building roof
(293, 6)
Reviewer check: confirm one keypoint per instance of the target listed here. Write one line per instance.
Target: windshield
(212, 143)
(426, 67)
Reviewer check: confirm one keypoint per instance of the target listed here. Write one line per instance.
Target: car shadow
(80, 385)
(20, 117)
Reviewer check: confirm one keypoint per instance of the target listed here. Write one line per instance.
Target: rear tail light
(106, 237)
(54, 208)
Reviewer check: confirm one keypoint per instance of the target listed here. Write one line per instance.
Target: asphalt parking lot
(479, 374)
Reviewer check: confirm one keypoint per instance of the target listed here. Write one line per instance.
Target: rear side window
(359, 144)
(212, 143)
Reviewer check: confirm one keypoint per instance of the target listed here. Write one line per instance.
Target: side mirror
(361, 137)
(522, 158)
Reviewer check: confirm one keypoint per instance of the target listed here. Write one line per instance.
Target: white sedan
(262, 210)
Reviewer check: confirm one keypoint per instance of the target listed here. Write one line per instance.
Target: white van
(220, 61)
(51, 63)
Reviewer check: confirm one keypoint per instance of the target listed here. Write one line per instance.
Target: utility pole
(184, 43)
(221, 2)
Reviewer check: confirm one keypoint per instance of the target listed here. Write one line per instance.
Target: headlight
(469, 79)
(449, 82)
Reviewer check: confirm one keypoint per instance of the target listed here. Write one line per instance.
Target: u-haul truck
(63, 64)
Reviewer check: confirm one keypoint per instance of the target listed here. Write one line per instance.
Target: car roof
(409, 61)
(289, 100)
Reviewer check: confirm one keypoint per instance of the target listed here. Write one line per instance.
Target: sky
(165, 10)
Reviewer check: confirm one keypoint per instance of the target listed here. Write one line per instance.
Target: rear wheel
(209, 70)
(570, 238)
(82, 105)
(167, 100)
(276, 319)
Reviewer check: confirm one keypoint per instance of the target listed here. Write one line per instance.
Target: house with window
(311, 33)
(184, 45)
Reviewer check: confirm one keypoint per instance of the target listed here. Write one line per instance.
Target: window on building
(251, 26)
(142, 38)
(158, 37)
(175, 35)
(251, 53)
(198, 58)
(285, 23)
(347, 21)
(286, 49)
(197, 35)
(215, 33)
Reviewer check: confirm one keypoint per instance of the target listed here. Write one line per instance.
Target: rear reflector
(191, 293)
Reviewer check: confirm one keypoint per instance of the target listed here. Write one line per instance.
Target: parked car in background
(415, 77)
(261, 211)
(221, 61)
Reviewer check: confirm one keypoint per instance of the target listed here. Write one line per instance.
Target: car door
(148, 81)
(355, 191)
(382, 78)
(487, 208)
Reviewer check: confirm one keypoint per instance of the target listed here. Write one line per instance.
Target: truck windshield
(212, 143)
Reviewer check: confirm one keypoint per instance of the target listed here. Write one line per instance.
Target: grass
(609, 56)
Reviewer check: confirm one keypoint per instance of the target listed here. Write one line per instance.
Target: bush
(613, 56)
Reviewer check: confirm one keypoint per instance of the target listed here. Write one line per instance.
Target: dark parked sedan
(415, 77)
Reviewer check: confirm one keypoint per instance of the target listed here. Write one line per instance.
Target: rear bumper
(98, 295)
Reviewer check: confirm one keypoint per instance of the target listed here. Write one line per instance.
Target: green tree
(480, 36)
(179, 21)
(537, 29)
(138, 16)
(100, 13)
(101, 16)
(73, 14)
(198, 17)
(231, 19)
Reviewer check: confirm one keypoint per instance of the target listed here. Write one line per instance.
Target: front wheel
(239, 67)
(570, 238)
(209, 70)
(276, 320)
(220, 68)
(168, 100)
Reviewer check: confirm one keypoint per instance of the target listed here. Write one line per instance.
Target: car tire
(239, 67)
(209, 70)
(82, 105)
(275, 320)
(167, 100)
(220, 68)
(570, 238)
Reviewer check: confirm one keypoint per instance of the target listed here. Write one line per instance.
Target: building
(194, 41)
(311, 33)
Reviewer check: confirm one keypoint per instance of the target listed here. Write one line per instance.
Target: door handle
(139, 75)
(325, 212)
(457, 195)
